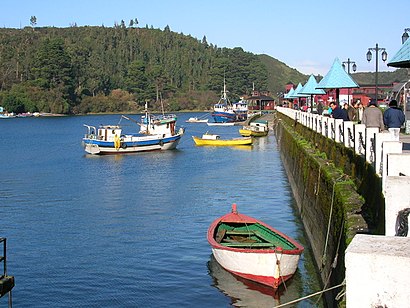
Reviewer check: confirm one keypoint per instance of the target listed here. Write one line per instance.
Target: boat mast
(147, 116)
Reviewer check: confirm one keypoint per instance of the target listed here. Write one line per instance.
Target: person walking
(360, 110)
(337, 112)
(351, 112)
(394, 118)
(373, 117)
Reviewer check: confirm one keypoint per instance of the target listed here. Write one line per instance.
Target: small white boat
(157, 132)
(196, 120)
(257, 128)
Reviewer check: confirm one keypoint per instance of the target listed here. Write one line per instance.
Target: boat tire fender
(161, 143)
(123, 145)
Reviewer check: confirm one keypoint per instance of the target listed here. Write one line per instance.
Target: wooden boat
(215, 140)
(157, 132)
(253, 250)
(257, 128)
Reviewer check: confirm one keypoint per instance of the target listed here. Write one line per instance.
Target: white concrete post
(314, 122)
(371, 144)
(319, 127)
(380, 139)
(377, 271)
(331, 126)
(396, 194)
(311, 120)
(359, 137)
(338, 130)
(389, 147)
(348, 138)
(398, 164)
(325, 124)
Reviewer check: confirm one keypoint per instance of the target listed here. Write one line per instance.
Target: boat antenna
(162, 103)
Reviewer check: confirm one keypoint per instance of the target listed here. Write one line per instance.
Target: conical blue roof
(310, 87)
(402, 57)
(337, 78)
(297, 93)
(289, 94)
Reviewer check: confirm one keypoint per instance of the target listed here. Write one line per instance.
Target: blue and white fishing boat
(157, 132)
(226, 112)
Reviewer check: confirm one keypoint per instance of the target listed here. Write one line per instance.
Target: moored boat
(226, 112)
(157, 132)
(253, 250)
(258, 128)
(215, 140)
(196, 120)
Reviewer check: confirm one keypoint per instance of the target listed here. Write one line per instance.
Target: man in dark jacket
(338, 113)
(393, 118)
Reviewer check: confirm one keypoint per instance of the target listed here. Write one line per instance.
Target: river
(130, 231)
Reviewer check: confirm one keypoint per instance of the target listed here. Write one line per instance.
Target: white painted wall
(378, 272)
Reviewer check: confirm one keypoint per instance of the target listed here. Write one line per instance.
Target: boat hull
(259, 267)
(223, 142)
(270, 261)
(223, 117)
(249, 132)
(130, 145)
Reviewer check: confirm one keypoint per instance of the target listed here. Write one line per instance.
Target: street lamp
(405, 35)
(348, 62)
(369, 58)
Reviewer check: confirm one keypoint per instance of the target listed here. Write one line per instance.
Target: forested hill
(114, 69)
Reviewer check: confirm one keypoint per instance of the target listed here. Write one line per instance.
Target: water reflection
(245, 293)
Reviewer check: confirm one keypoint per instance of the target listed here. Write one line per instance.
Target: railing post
(370, 143)
(338, 130)
(348, 134)
(360, 139)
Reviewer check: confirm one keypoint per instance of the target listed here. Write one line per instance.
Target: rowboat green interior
(250, 236)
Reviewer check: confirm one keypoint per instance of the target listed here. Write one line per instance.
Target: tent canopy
(310, 87)
(402, 57)
(337, 78)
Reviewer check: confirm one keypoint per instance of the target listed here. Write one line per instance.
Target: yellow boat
(215, 140)
(256, 129)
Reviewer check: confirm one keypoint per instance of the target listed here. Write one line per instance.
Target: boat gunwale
(241, 218)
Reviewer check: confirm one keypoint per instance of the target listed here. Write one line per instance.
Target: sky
(305, 35)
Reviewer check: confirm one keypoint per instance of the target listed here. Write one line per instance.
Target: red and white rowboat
(253, 250)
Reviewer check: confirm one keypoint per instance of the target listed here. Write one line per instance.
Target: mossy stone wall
(337, 193)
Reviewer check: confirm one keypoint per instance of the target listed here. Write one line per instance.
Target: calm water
(130, 231)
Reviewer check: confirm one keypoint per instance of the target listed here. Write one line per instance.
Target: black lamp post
(405, 35)
(384, 58)
(348, 62)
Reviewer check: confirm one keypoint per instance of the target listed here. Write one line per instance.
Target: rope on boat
(311, 295)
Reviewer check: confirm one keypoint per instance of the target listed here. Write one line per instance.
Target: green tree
(33, 21)
(136, 81)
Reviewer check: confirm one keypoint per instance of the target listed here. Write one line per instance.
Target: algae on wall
(323, 177)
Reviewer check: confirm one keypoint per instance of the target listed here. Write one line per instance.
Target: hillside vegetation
(116, 69)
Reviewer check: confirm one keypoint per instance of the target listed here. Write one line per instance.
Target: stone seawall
(337, 194)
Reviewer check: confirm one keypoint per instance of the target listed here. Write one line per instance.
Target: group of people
(393, 118)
